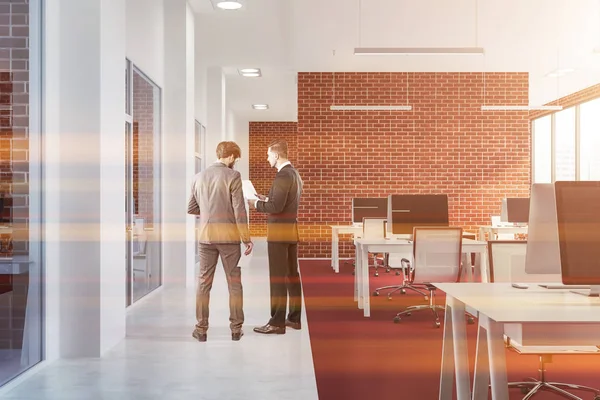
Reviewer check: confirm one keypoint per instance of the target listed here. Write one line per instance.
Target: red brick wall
(446, 144)
(261, 173)
(14, 159)
(143, 148)
(14, 123)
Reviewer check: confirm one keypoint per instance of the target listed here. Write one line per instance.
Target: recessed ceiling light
(260, 106)
(250, 72)
(229, 5)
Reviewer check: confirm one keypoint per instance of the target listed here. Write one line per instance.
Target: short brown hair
(225, 149)
(280, 147)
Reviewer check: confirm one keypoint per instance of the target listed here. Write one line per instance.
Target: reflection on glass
(20, 256)
(589, 135)
(564, 145)
(542, 150)
(146, 265)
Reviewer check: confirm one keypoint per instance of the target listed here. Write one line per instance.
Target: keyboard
(562, 286)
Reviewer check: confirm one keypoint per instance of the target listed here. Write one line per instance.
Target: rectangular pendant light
(521, 108)
(418, 51)
(370, 108)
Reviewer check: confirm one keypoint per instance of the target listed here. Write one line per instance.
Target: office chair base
(532, 387)
(401, 289)
(409, 310)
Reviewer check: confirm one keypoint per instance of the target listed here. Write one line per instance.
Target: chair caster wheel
(525, 390)
(403, 291)
(397, 273)
(376, 274)
(470, 321)
(408, 314)
(426, 298)
(376, 293)
(396, 320)
(389, 297)
(387, 270)
(437, 324)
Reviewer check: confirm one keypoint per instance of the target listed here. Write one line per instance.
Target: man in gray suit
(217, 198)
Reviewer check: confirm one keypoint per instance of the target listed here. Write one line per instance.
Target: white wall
(145, 37)
(238, 131)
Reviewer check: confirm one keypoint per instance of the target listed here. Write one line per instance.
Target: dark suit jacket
(217, 197)
(282, 207)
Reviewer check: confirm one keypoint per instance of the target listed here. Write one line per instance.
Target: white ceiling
(283, 37)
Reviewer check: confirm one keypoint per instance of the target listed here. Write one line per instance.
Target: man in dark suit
(281, 205)
(217, 197)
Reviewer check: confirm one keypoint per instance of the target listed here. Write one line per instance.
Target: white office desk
(492, 232)
(366, 246)
(335, 242)
(565, 318)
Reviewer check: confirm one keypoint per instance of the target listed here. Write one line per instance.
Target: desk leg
(497, 358)
(365, 282)
(481, 266)
(335, 250)
(357, 274)
(467, 269)
(447, 375)
(455, 352)
(481, 380)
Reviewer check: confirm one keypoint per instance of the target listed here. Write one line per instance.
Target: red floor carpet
(373, 358)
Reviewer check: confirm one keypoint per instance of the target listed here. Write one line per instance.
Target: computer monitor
(515, 210)
(373, 207)
(578, 216)
(405, 211)
(543, 255)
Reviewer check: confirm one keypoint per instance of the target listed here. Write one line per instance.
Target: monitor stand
(593, 292)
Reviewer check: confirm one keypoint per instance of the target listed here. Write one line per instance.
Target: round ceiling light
(229, 5)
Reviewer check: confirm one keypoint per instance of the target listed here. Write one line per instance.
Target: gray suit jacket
(217, 197)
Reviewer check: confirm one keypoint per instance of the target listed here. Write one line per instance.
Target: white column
(85, 235)
(178, 143)
(216, 125)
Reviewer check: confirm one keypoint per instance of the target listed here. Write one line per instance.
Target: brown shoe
(270, 329)
(235, 336)
(294, 325)
(201, 337)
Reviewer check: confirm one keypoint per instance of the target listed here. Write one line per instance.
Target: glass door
(143, 191)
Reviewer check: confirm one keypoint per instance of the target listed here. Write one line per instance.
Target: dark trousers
(285, 282)
(230, 256)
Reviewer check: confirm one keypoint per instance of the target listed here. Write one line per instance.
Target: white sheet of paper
(249, 191)
(244, 260)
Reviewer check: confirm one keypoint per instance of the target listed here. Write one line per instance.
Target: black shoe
(201, 337)
(294, 325)
(236, 335)
(270, 329)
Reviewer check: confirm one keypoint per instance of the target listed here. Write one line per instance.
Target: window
(542, 150)
(564, 145)
(21, 263)
(589, 140)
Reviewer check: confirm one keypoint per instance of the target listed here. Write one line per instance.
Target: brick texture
(14, 163)
(261, 173)
(446, 144)
(143, 149)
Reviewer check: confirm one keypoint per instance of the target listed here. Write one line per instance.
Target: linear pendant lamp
(370, 108)
(418, 51)
(520, 108)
